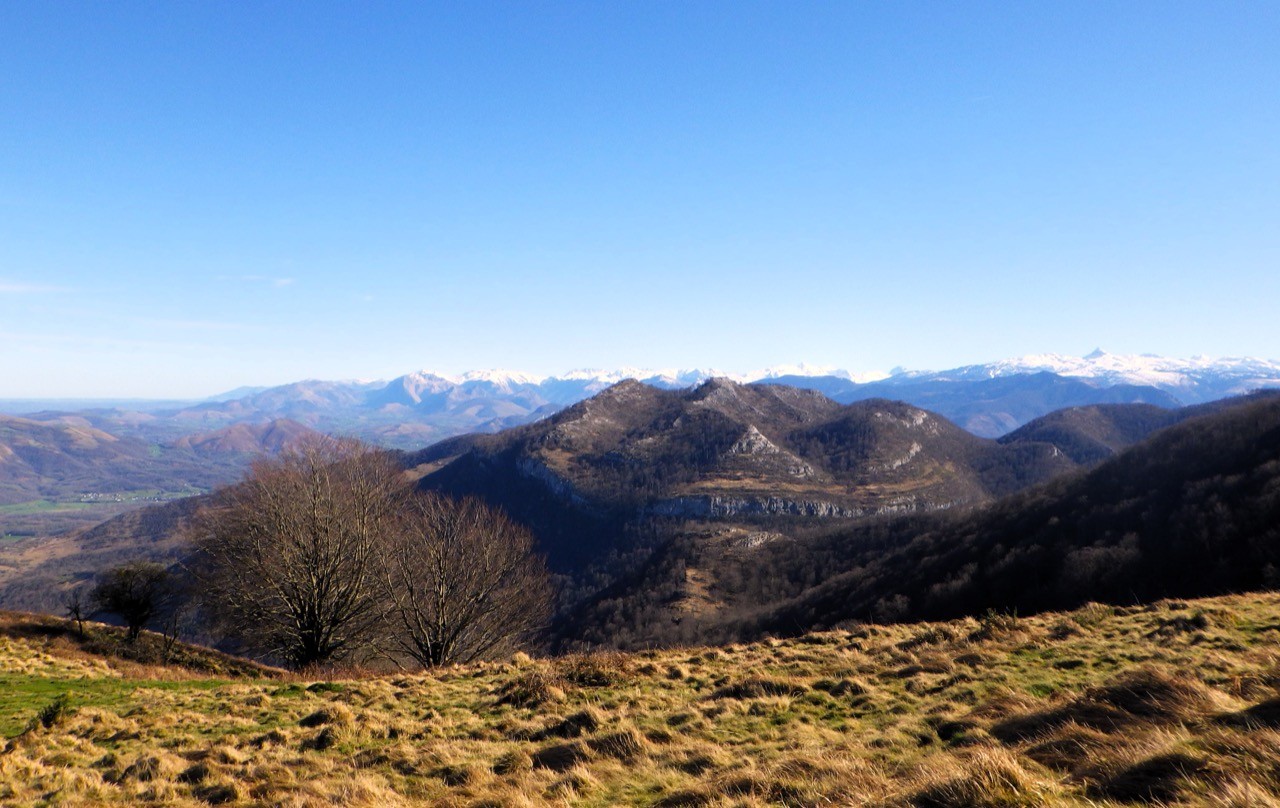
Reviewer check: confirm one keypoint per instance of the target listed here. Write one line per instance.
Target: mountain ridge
(423, 407)
(668, 512)
(1189, 510)
(1167, 373)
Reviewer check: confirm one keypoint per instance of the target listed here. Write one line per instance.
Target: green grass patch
(43, 506)
(326, 687)
(85, 502)
(23, 697)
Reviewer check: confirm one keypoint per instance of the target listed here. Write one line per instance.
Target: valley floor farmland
(1176, 703)
(41, 518)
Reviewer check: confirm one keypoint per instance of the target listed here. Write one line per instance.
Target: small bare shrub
(533, 688)
(995, 624)
(595, 670)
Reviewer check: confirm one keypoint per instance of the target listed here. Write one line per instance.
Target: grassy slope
(1178, 702)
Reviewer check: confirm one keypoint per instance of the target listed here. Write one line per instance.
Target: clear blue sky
(196, 196)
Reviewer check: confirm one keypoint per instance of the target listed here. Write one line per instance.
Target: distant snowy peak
(802, 369)
(668, 376)
(501, 378)
(592, 375)
(672, 377)
(425, 378)
(676, 378)
(498, 378)
(805, 370)
(1195, 379)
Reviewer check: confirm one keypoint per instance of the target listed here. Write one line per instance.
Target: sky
(198, 196)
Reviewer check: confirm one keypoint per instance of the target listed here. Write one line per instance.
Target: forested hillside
(1193, 511)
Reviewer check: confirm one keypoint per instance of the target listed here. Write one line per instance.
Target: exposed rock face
(899, 462)
(718, 507)
(753, 444)
(910, 417)
(562, 488)
(758, 538)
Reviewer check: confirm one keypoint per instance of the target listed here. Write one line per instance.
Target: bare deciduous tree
(137, 592)
(76, 606)
(291, 556)
(462, 581)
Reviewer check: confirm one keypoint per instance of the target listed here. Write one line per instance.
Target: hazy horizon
(19, 403)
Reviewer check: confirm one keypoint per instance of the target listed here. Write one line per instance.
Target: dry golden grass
(1173, 704)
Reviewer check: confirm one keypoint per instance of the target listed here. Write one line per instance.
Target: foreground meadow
(1176, 703)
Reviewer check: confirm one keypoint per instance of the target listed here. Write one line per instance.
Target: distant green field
(43, 506)
(47, 506)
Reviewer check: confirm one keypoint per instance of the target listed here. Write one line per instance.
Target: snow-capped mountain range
(419, 408)
(1193, 380)
(989, 399)
(670, 377)
(1190, 380)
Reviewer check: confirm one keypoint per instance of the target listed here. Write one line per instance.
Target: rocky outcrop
(557, 485)
(713, 507)
(754, 445)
